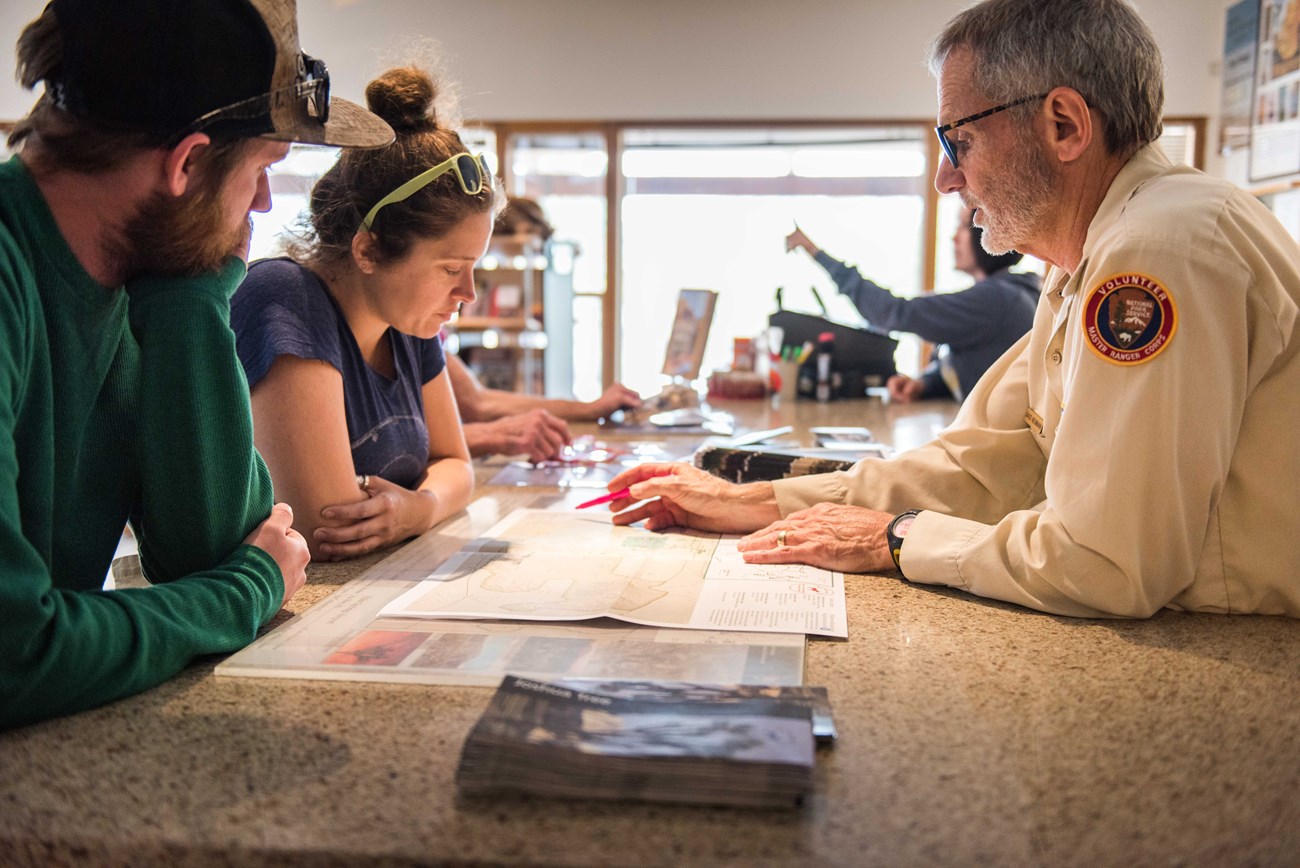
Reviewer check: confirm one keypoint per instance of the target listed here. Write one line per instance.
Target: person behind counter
(498, 422)
(123, 223)
(971, 328)
(1126, 455)
(351, 403)
(508, 423)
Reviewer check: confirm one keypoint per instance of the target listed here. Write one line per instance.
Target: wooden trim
(609, 372)
(1199, 124)
(1274, 189)
(528, 126)
(503, 153)
(930, 247)
(614, 186)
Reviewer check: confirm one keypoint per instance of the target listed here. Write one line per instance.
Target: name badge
(1034, 421)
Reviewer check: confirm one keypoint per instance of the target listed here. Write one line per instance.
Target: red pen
(605, 498)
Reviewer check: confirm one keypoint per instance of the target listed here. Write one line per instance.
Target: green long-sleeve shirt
(117, 404)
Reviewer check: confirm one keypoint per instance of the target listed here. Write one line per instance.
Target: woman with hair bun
(352, 408)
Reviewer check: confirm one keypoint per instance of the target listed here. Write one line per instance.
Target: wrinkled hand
(904, 389)
(797, 239)
(390, 514)
(616, 397)
(538, 434)
(277, 538)
(679, 495)
(847, 539)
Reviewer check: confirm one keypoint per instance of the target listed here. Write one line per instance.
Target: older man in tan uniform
(1132, 452)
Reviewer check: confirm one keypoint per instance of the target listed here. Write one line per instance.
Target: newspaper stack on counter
(646, 741)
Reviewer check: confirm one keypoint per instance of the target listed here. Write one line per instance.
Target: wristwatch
(896, 530)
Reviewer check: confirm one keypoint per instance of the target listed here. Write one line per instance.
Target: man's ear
(364, 250)
(180, 162)
(1070, 128)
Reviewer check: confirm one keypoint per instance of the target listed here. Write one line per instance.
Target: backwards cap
(227, 67)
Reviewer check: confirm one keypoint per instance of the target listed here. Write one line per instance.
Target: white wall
(674, 59)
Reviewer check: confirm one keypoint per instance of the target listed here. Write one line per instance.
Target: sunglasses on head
(470, 170)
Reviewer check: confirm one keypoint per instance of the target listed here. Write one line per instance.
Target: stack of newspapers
(647, 741)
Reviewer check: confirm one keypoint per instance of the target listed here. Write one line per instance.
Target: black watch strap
(896, 541)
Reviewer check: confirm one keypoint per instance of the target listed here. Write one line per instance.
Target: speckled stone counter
(971, 732)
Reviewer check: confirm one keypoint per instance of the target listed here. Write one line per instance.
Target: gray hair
(1100, 48)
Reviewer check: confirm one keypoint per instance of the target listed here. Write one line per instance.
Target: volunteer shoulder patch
(1129, 319)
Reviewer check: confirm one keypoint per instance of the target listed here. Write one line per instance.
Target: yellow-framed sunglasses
(470, 169)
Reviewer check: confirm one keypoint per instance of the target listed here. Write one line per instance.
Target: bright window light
(308, 161)
(711, 163)
(858, 163)
(561, 162)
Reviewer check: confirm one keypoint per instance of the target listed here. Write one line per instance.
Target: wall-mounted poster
(1240, 36)
(1275, 126)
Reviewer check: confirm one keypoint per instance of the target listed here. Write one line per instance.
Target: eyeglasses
(470, 170)
(311, 90)
(950, 147)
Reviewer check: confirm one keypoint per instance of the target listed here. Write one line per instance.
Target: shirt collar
(1146, 164)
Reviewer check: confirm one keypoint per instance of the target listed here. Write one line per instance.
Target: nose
(465, 288)
(946, 178)
(262, 198)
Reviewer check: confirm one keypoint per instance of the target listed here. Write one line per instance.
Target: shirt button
(1056, 357)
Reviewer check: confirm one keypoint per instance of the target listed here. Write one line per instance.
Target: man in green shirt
(123, 224)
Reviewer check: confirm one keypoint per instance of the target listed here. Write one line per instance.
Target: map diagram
(556, 565)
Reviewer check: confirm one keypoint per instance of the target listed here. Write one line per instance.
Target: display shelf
(506, 335)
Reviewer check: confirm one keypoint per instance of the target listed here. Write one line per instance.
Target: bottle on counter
(825, 357)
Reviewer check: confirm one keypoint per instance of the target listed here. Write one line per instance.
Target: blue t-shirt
(283, 308)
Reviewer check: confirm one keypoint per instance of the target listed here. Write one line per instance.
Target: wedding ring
(363, 482)
(780, 538)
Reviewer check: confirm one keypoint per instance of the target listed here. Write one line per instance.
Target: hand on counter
(277, 538)
(538, 434)
(904, 389)
(390, 514)
(616, 397)
(847, 539)
(679, 495)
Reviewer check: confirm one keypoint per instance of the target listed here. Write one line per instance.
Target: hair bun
(404, 98)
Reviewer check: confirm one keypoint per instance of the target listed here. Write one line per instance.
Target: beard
(1021, 193)
(180, 236)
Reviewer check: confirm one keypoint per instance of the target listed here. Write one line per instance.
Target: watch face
(900, 528)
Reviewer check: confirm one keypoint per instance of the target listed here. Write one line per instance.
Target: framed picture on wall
(1275, 109)
(1240, 38)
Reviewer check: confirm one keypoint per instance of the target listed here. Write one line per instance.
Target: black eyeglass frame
(950, 147)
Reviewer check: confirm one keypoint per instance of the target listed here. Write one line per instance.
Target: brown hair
(523, 217)
(404, 97)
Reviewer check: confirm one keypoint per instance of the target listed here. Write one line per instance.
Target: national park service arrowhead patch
(1129, 319)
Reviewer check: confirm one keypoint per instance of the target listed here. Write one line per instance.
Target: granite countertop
(970, 732)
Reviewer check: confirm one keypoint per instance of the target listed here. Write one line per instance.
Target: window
(710, 209)
(566, 174)
(698, 206)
